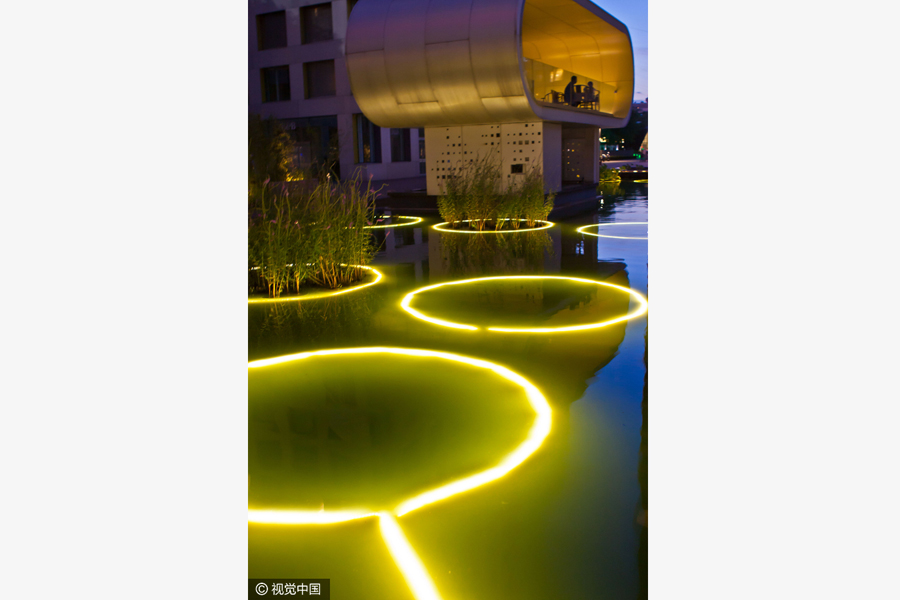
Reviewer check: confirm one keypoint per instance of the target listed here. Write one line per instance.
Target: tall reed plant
(297, 236)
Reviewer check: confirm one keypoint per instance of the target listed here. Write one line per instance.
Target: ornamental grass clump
(298, 237)
(532, 204)
(472, 193)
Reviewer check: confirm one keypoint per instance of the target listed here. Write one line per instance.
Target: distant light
(378, 277)
(639, 310)
(618, 237)
(415, 221)
(547, 225)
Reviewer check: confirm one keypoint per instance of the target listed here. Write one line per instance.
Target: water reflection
(349, 432)
(563, 524)
(457, 256)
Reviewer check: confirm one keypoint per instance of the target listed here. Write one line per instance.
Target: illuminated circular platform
(414, 221)
(639, 310)
(546, 225)
(538, 431)
(583, 228)
(325, 294)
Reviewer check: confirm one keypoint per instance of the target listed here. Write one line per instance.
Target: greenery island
(303, 231)
(472, 199)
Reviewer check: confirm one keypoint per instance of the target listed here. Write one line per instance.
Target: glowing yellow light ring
(409, 563)
(639, 310)
(317, 296)
(547, 226)
(416, 221)
(539, 430)
(618, 237)
(407, 560)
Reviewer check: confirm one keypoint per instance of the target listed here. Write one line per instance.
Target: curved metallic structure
(441, 63)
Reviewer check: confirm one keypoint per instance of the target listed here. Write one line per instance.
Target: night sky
(634, 14)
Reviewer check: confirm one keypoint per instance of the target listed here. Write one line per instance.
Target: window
(319, 78)
(368, 140)
(271, 30)
(276, 84)
(315, 23)
(400, 150)
(516, 168)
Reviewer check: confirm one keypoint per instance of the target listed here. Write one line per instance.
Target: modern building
(298, 74)
(401, 88)
(491, 77)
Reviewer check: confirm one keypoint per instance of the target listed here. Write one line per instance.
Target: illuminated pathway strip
(618, 237)
(407, 561)
(415, 221)
(378, 277)
(640, 309)
(547, 225)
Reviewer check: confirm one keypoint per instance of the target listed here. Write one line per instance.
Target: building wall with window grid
(288, 49)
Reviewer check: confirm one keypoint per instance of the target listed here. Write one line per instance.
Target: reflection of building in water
(354, 433)
(452, 255)
(407, 247)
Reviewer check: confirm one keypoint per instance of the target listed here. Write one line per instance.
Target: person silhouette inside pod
(569, 94)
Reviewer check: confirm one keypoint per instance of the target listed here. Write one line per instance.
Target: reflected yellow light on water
(407, 561)
(415, 221)
(618, 237)
(328, 294)
(639, 310)
(305, 517)
(546, 225)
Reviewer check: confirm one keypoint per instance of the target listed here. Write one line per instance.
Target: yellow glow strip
(415, 221)
(547, 226)
(539, 429)
(378, 277)
(404, 555)
(618, 237)
(407, 560)
(638, 311)
(305, 517)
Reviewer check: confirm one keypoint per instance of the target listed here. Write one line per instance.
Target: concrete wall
(342, 105)
(531, 145)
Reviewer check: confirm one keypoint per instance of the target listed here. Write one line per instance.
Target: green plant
(472, 192)
(297, 236)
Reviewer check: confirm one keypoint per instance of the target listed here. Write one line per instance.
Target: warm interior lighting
(319, 295)
(638, 311)
(415, 221)
(547, 225)
(407, 560)
(404, 555)
(618, 237)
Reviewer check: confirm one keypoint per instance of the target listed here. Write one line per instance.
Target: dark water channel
(342, 432)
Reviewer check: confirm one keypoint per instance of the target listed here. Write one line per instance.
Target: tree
(270, 151)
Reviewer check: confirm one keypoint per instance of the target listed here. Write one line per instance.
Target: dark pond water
(370, 431)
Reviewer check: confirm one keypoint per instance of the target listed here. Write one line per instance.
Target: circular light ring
(535, 437)
(547, 225)
(638, 311)
(618, 237)
(415, 221)
(378, 277)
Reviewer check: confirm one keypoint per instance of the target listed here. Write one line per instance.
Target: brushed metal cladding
(441, 63)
